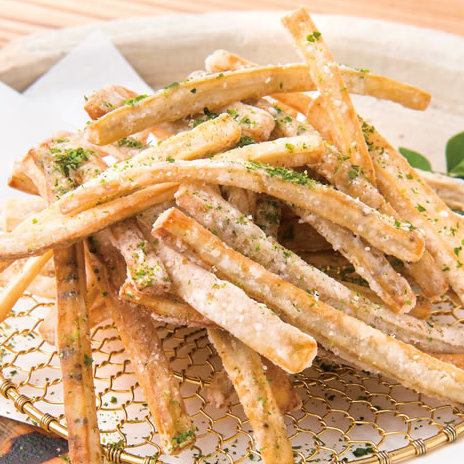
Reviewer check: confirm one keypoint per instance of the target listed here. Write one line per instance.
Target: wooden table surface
(20, 17)
(20, 443)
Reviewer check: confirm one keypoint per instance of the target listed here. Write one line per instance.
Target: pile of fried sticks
(228, 190)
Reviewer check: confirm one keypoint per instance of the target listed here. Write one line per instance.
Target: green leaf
(455, 154)
(415, 159)
(458, 170)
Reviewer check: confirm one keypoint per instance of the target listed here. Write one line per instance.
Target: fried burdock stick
(387, 234)
(244, 368)
(211, 210)
(73, 330)
(346, 336)
(335, 166)
(139, 335)
(230, 308)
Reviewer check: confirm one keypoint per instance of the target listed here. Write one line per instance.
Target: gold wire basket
(347, 415)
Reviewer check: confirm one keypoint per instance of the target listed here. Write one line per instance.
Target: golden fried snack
(245, 370)
(76, 357)
(211, 210)
(64, 165)
(287, 151)
(346, 336)
(361, 82)
(345, 128)
(220, 389)
(369, 263)
(453, 358)
(165, 308)
(255, 123)
(15, 288)
(388, 234)
(107, 99)
(51, 228)
(281, 385)
(145, 270)
(140, 338)
(230, 308)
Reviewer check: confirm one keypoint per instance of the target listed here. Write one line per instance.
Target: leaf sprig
(454, 157)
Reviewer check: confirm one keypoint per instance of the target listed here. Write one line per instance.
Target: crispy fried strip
(245, 370)
(430, 278)
(145, 270)
(286, 396)
(286, 151)
(449, 189)
(290, 152)
(229, 224)
(27, 177)
(421, 310)
(385, 233)
(220, 389)
(16, 210)
(17, 286)
(357, 81)
(268, 214)
(254, 122)
(344, 335)
(453, 358)
(207, 138)
(230, 308)
(73, 330)
(216, 91)
(106, 99)
(161, 390)
(179, 101)
(345, 127)
(153, 371)
(369, 263)
(165, 308)
(417, 202)
(76, 357)
(54, 229)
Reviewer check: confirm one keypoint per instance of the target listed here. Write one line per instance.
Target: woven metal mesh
(346, 415)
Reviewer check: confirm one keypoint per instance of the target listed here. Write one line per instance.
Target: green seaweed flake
(288, 175)
(71, 159)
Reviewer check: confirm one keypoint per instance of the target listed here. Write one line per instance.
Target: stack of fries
(216, 177)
